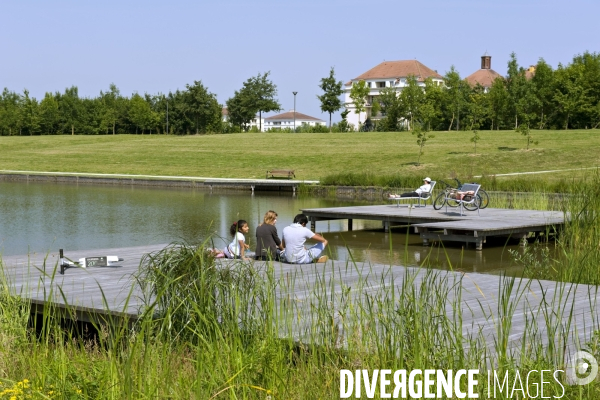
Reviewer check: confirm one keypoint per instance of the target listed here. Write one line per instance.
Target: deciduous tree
(477, 107)
(30, 114)
(111, 104)
(412, 99)
(570, 95)
(240, 109)
(330, 99)
(10, 114)
(263, 93)
(524, 130)
(542, 87)
(358, 94)
(497, 103)
(391, 109)
(140, 113)
(343, 124)
(475, 139)
(456, 92)
(49, 114)
(202, 107)
(70, 108)
(517, 88)
(432, 109)
(422, 137)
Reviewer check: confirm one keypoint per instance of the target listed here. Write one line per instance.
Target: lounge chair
(467, 197)
(423, 197)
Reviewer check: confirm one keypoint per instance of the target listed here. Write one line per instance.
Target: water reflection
(401, 248)
(39, 217)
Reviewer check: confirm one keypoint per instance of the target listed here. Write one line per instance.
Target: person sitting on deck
(237, 248)
(420, 192)
(294, 237)
(267, 241)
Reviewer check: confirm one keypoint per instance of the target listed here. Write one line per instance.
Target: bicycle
(445, 197)
(484, 198)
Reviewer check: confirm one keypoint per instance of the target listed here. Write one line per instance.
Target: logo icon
(582, 368)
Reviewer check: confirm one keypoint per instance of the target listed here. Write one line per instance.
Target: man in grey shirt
(294, 237)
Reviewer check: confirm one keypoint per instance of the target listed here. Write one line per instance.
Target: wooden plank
(256, 182)
(491, 222)
(82, 289)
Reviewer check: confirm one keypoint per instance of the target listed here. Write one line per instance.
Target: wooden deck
(265, 184)
(92, 294)
(152, 180)
(448, 224)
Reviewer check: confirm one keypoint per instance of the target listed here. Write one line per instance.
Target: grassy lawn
(312, 156)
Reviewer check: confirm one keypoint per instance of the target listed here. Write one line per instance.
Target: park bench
(281, 173)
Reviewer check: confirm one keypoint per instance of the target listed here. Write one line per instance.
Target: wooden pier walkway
(264, 184)
(154, 180)
(448, 224)
(92, 294)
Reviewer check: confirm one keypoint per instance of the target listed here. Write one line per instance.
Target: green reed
(575, 254)
(524, 183)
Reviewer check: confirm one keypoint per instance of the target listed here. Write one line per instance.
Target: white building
(387, 74)
(288, 119)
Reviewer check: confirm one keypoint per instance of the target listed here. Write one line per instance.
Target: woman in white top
(425, 188)
(238, 246)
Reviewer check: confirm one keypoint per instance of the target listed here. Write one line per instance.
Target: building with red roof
(290, 119)
(484, 76)
(385, 75)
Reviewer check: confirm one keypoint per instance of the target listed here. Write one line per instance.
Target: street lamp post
(295, 93)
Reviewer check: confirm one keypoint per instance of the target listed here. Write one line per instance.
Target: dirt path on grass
(539, 172)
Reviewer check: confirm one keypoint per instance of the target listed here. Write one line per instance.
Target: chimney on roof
(486, 61)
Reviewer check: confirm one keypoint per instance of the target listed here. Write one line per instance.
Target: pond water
(42, 217)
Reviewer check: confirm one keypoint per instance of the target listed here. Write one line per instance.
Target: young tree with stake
(330, 100)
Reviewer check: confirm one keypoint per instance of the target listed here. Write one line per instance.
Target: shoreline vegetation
(212, 332)
(348, 185)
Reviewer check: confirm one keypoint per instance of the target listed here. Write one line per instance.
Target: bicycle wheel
(485, 199)
(452, 203)
(439, 201)
(474, 205)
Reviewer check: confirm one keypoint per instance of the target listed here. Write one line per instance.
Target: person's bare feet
(322, 259)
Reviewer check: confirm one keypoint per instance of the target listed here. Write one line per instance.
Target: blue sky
(154, 46)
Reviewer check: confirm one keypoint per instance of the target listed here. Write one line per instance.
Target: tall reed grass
(238, 330)
(490, 183)
(575, 256)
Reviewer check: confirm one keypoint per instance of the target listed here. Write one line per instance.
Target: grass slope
(312, 156)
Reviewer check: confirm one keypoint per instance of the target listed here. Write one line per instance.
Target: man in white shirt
(293, 239)
(425, 188)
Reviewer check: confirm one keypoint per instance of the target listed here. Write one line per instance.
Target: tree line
(567, 97)
(191, 111)
(563, 98)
